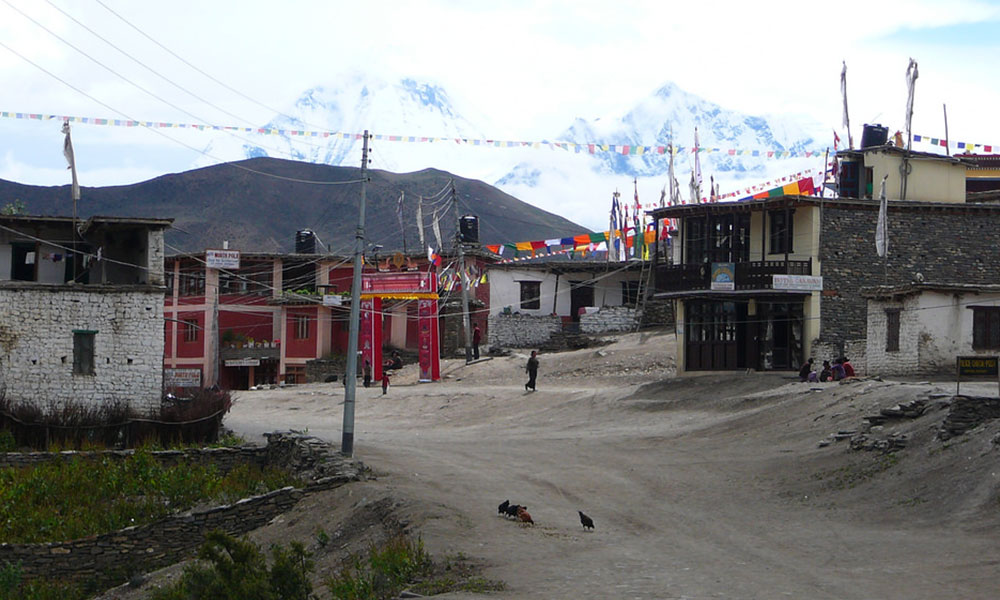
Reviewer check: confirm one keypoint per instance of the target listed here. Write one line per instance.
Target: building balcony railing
(752, 275)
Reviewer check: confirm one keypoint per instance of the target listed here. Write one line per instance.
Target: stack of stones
(968, 412)
(609, 319)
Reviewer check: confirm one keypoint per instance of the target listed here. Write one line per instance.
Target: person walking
(477, 338)
(385, 381)
(532, 369)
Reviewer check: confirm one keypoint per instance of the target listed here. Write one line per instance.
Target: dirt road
(702, 487)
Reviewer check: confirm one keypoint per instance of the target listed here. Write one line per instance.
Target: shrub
(13, 587)
(236, 569)
(385, 574)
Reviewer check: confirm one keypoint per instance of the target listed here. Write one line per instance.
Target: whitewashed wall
(505, 289)
(36, 343)
(934, 328)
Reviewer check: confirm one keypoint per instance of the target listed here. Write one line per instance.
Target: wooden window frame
(892, 319)
(528, 301)
(985, 327)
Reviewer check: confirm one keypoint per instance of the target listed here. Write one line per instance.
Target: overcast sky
(529, 67)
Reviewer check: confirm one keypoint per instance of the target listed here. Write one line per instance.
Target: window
(83, 352)
(531, 292)
(630, 293)
(782, 233)
(189, 327)
(295, 374)
(192, 284)
(301, 327)
(892, 330)
(985, 327)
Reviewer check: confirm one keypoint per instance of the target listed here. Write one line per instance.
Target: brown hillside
(258, 212)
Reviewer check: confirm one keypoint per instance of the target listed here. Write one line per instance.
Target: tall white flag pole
(75, 189)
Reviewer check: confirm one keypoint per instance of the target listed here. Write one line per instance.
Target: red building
(263, 321)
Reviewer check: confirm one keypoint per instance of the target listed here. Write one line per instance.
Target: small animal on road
(524, 516)
(586, 521)
(512, 510)
(503, 507)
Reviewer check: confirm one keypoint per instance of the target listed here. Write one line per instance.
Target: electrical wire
(165, 136)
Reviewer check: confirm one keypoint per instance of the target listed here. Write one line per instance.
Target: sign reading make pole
(981, 367)
(222, 259)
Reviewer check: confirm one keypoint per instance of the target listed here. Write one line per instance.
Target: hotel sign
(177, 378)
(222, 259)
(804, 283)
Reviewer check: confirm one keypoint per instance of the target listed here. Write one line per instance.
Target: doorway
(581, 294)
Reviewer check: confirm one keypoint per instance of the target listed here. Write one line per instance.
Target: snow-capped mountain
(575, 184)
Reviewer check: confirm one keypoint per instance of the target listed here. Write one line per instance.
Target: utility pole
(462, 276)
(350, 376)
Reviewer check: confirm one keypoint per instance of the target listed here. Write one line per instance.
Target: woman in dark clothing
(806, 369)
(532, 369)
(826, 374)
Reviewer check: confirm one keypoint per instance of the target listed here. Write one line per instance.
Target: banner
(578, 148)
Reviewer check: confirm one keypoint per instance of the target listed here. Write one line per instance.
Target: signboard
(804, 283)
(976, 366)
(405, 282)
(242, 362)
(723, 276)
(177, 378)
(222, 259)
(333, 300)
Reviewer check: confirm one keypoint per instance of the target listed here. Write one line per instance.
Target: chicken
(586, 521)
(512, 510)
(524, 516)
(502, 509)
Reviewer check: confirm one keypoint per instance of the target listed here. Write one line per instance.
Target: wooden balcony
(753, 275)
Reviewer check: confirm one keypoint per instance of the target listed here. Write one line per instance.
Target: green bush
(235, 569)
(13, 587)
(385, 574)
(43, 503)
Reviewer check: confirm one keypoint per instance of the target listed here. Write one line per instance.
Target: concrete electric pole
(466, 325)
(350, 376)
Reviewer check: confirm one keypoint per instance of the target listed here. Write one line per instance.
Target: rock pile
(968, 412)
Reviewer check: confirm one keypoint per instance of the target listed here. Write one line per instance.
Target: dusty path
(693, 495)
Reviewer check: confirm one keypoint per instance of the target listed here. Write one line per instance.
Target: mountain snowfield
(572, 183)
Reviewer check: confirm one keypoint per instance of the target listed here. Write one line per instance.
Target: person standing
(477, 338)
(368, 373)
(532, 369)
(385, 381)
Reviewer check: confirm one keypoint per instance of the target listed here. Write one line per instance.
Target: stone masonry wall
(522, 331)
(609, 319)
(944, 244)
(657, 313)
(906, 360)
(109, 559)
(36, 344)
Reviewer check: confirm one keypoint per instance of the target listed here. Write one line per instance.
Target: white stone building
(921, 328)
(81, 315)
(531, 300)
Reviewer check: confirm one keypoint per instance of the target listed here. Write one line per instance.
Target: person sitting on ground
(807, 367)
(848, 367)
(825, 375)
(396, 362)
(837, 371)
(813, 376)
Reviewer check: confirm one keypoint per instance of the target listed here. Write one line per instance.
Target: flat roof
(89, 221)
(790, 201)
(906, 289)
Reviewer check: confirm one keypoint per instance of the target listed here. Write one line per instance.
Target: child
(385, 381)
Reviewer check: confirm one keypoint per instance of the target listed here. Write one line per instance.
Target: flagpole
(75, 188)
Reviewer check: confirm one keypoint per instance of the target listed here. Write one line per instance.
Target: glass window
(190, 330)
(301, 327)
(782, 233)
(83, 352)
(531, 292)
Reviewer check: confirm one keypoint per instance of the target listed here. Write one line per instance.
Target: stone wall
(522, 331)
(945, 244)
(610, 319)
(318, 369)
(905, 360)
(36, 343)
(968, 412)
(658, 313)
(108, 559)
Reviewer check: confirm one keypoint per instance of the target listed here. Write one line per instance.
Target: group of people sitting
(840, 369)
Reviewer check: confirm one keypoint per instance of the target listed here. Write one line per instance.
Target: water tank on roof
(305, 242)
(468, 229)
(874, 135)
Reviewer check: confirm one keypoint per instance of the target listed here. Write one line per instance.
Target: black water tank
(305, 242)
(468, 228)
(874, 135)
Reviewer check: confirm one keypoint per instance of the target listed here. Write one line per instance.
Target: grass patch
(44, 503)
(14, 587)
(401, 564)
(850, 476)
